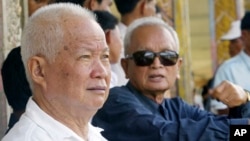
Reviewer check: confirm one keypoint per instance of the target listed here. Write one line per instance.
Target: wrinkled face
(155, 78)
(104, 5)
(115, 45)
(235, 46)
(80, 75)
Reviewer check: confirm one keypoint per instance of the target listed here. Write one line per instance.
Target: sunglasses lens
(143, 58)
(146, 58)
(168, 58)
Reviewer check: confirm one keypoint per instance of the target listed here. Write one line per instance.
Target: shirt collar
(50, 125)
(245, 55)
(148, 103)
(245, 58)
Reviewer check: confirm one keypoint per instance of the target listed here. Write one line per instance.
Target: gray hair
(148, 21)
(44, 33)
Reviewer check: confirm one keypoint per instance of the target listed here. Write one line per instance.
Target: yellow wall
(200, 41)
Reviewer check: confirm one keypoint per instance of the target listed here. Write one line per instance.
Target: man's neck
(128, 19)
(247, 51)
(76, 122)
(157, 98)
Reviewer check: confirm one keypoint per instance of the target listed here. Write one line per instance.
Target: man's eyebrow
(105, 49)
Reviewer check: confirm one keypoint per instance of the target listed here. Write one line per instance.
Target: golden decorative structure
(224, 13)
(185, 84)
(247, 4)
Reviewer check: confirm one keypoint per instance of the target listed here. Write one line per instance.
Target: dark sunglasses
(146, 58)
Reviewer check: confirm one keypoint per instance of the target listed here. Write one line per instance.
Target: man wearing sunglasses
(140, 112)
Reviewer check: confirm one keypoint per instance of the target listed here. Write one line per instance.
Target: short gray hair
(148, 21)
(45, 31)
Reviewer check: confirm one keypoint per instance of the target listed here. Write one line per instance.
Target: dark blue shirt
(128, 115)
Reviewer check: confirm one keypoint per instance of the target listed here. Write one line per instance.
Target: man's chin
(158, 90)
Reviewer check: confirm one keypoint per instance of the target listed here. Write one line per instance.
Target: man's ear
(108, 36)
(92, 4)
(143, 6)
(124, 64)
(36, 67)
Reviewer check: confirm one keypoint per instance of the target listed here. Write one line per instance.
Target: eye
(85, 57)
(105, 57)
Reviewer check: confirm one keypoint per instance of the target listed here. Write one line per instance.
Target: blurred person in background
(91, 4)
(109, 23)
(131, 10)
(237, 68)
(15, 84)
(234, 38)
(98, 4)
(33, 5)
(158, 11)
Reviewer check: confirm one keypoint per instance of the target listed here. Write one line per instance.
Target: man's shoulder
(236, 59)
(13, 54)
(231, 63)
(120, 92)
(118, 88)
(16, 49)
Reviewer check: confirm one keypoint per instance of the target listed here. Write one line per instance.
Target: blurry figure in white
(236, 69)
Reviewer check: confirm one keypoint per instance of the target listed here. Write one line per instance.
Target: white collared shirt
(36, 125)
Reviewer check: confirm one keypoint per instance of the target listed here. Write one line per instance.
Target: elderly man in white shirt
(66, 59)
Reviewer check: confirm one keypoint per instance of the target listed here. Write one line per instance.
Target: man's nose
(100, 69)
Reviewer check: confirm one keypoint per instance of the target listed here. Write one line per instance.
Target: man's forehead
(150, 36)
(154, 32)
(84, 32)
(86, 46)
(83, 25)
(93, 48)
(149, 26)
